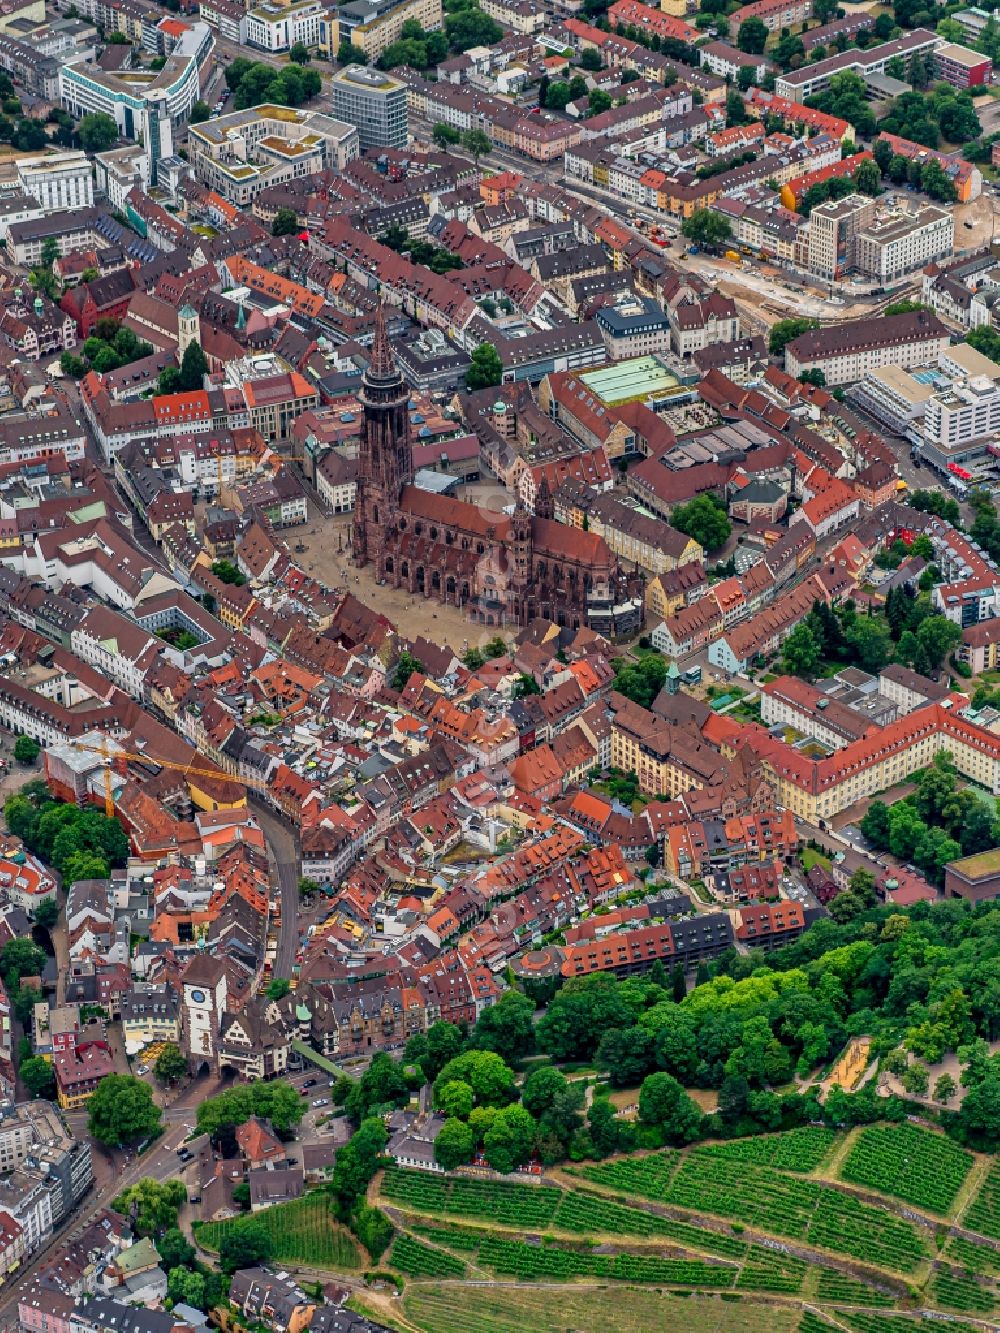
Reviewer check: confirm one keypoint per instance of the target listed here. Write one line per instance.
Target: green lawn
(812, 858)
(302, 1232)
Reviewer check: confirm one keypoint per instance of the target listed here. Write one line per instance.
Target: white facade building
(62, 181)
(968, 410)
(272, 27)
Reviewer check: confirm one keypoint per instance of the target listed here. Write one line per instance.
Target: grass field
(302, 1232)
(501, 1309)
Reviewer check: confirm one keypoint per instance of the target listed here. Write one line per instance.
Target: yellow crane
(192, 770)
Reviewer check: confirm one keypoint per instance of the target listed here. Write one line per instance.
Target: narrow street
(283, 850)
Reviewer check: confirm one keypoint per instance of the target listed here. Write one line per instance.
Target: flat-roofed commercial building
(375, 103)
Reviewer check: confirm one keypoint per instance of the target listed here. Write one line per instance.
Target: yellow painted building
(373, 38)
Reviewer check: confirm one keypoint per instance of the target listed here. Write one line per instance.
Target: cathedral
(502, 570)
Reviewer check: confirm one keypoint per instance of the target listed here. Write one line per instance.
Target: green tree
(26, 750)
(507, 1027)
(277, 988)
(706, 227)
(868, 178)
(38, 1077)
(20, 958)
(194, 368)
(870, 640)
(151, 1205)
(174, 1249)
(122, 1111)
(454, 1145)
(47, 913)
(704, 518)
(373, 1229)
(356, 1164)
(97, 132)
(590, 59)
(299, 53)
(938, 636)
(490, 1078)
(664, 1103)
(244, 1246)
(406, 666)
(171, 1064)
(471, 27)
(510, 1139)
(454, 1099)
(187, 1285)
(578, 1016)
(201, 111)
(752, 36)
(285, 223)
(935, 182)
(476, 142)
(349, 54)
(445, 135)
(486, 369)
(801, 652)
(785, 330)
(597, 103)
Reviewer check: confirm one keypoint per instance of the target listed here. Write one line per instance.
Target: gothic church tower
(385, 457)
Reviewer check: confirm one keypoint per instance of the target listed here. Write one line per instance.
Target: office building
(963, 414)
(62, 181)
(373, 102)
(243, 153)
(277, 27)
(962, 67)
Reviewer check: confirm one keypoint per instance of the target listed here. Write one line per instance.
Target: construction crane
(103, 750)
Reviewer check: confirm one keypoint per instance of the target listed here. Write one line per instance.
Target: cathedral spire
(382, 365)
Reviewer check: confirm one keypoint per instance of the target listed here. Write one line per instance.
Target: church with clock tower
(501, 569)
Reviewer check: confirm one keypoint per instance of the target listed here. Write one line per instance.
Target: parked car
(310, 1082)
(195, 1198)
(321, 1101)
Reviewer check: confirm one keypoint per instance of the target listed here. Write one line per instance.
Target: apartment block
(846, 352)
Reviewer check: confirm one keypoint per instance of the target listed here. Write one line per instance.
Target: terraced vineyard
(648, 1176)
(958, 1291)
(749, 1203)
(524, 1206)
(797, 1150)
(556, 1263)
(840, 1289)
(799, 1209)
(983, 1214)
(416, 1260)
(974, 1258)
(924, 1168)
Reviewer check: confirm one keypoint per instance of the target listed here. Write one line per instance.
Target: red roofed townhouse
(183, 413)
(632, 14)
(794, 191)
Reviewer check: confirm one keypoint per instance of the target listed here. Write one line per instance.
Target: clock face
(197, 997)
